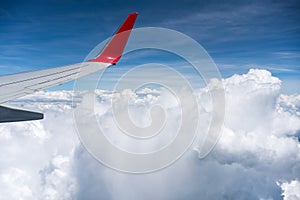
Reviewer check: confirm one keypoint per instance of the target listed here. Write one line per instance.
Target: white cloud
(15, 184)
(257, 156)
(291, 190)
(57, 179)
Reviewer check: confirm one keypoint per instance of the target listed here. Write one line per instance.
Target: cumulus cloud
(291, 190)
(257, 156)
(58, 181)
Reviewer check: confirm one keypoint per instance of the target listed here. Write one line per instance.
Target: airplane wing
(21, 84)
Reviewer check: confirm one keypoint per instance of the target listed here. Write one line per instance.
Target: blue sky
(238, 35)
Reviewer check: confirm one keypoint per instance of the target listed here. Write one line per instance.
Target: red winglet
(113, 51)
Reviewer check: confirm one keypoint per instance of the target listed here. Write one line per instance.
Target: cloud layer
(257, 156)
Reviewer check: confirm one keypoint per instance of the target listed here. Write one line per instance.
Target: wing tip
(113, 51)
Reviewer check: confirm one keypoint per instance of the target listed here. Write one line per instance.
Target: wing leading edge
(21, 84)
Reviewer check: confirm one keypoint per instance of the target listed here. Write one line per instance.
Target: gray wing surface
(22, 84)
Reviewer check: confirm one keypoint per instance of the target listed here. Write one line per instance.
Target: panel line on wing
(44, 76)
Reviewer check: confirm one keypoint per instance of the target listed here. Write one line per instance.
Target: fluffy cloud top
(257, 156)
(291, 190)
